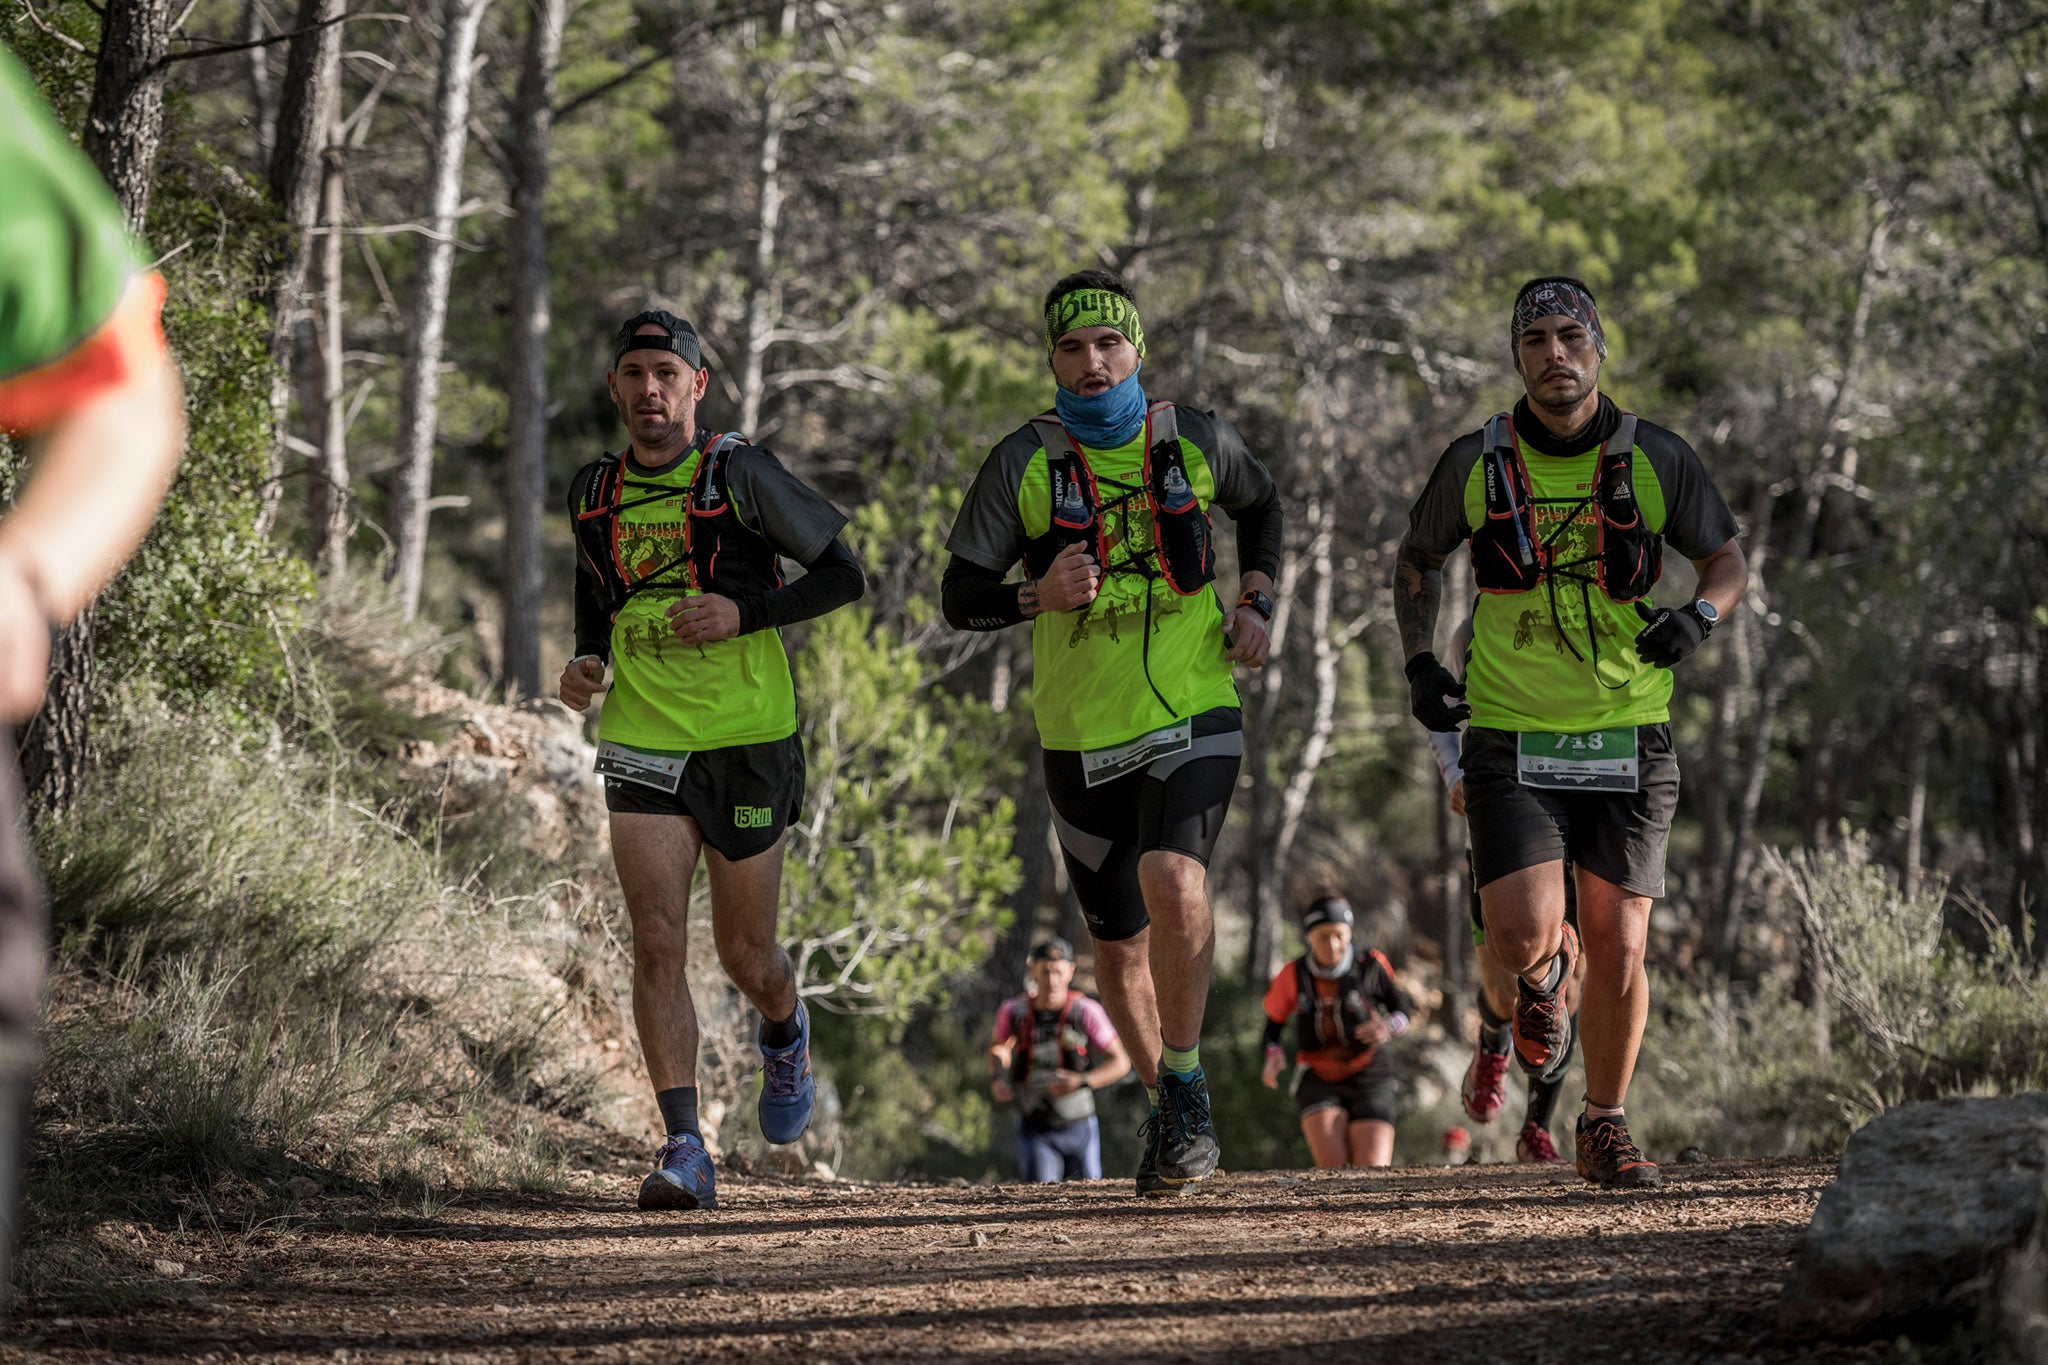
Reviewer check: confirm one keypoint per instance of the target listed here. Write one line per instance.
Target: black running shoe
(1607, 1156)
(1150, 1186)
(1186, 1137)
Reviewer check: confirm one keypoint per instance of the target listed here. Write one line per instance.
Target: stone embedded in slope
(1934, 1226)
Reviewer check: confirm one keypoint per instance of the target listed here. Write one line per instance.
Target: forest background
(295, 950)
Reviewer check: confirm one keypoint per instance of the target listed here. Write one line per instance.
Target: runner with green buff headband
(1106, 500)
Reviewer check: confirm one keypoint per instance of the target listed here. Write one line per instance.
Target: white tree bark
(420, 391)
(762, 294)
(526, 445)
(327, 489)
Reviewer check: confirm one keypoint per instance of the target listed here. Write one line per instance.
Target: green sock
(1152, 1094)
(1181, 1062)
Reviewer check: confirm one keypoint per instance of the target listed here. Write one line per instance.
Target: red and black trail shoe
(1543, 1023)
(1607, 1156)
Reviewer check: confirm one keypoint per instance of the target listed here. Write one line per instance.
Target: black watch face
(1707, 612)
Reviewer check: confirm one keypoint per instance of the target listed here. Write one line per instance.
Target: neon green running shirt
(672, 697)
(1533, 667)
(1091, 667)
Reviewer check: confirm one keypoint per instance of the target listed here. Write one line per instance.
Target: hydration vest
(1314, 1028)
(1180, 528)
(1073, 1045)
(719, 554)
(1508, 554)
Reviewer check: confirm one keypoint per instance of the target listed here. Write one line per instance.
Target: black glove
(1673, 633)
(1429, 682)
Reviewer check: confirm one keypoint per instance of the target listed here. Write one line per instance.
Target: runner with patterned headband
(1568, 502)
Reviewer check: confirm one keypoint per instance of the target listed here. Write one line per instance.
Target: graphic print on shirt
(651, 541)
(1127, 539)
(1570, 526)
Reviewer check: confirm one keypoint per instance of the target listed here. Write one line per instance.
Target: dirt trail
(1467, 1265)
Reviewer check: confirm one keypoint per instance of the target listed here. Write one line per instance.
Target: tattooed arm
(1418, 592)
(1436, 526)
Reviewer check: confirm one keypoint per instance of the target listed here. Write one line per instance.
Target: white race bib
(1597, 761)
(663, 772)
(1107, 765)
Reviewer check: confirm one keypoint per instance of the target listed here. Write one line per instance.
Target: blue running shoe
(682, 1177)
(787, 1090)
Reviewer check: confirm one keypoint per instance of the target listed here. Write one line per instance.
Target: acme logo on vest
(752, 817)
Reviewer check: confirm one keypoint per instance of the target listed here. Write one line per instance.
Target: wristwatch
(1258, 602)
(1708, 615)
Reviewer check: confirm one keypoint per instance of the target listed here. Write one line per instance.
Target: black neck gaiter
(1539, 439)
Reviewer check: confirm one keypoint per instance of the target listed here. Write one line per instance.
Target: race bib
(1597, 761)
(663, 772)
(1107, 765)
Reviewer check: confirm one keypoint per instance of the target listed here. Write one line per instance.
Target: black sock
(1543, 1100)
(679, 1110)
(1494, 1034)
(778, 1032)
(1553, 981)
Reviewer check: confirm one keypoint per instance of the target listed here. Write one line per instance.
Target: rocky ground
(1468, 1264)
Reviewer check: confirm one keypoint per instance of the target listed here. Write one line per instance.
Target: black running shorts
(1177, 804)
(1616, 836)
(1366, 1097)
(742, 798)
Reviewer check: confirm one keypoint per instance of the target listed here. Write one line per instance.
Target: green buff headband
(1093, 308)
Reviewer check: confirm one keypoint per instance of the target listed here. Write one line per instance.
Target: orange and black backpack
(1509, 553)
(719, 553)
(1184, 556)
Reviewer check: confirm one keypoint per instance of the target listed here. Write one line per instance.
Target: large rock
(1934, 1228)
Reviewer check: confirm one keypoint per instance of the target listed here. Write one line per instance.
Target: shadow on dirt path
(1467, 1265)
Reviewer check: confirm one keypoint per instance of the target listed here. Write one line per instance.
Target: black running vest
(1509, 555)
(1180, 528)
(719, 553)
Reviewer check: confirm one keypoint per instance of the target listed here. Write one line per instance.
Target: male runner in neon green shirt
(679, 585)
(1106, 501)
(1568, 502)
(83, 367)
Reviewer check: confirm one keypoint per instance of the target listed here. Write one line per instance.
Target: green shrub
(1895, 1011)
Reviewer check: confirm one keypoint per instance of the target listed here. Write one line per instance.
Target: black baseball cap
(1054, 949)
(679, 338)
(1326, 910)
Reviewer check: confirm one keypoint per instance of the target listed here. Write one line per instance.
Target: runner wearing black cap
(1053, 1049)
(679, 587)
(1345, 1006)
(1568, 502)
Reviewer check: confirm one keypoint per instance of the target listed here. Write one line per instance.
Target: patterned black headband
(1557, 296)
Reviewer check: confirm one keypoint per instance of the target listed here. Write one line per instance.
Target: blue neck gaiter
(1103, 420)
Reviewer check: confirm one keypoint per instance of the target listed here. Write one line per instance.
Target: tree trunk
(328, 489)
(126, 119)
(526, 454)
(305, 123)
(1324, 650)
(123, 129)
(761, 289)
(262, 98)
(1262, 896)
(420, 393)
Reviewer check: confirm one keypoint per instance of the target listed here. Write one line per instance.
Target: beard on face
(1565, 399)
(652, 428)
